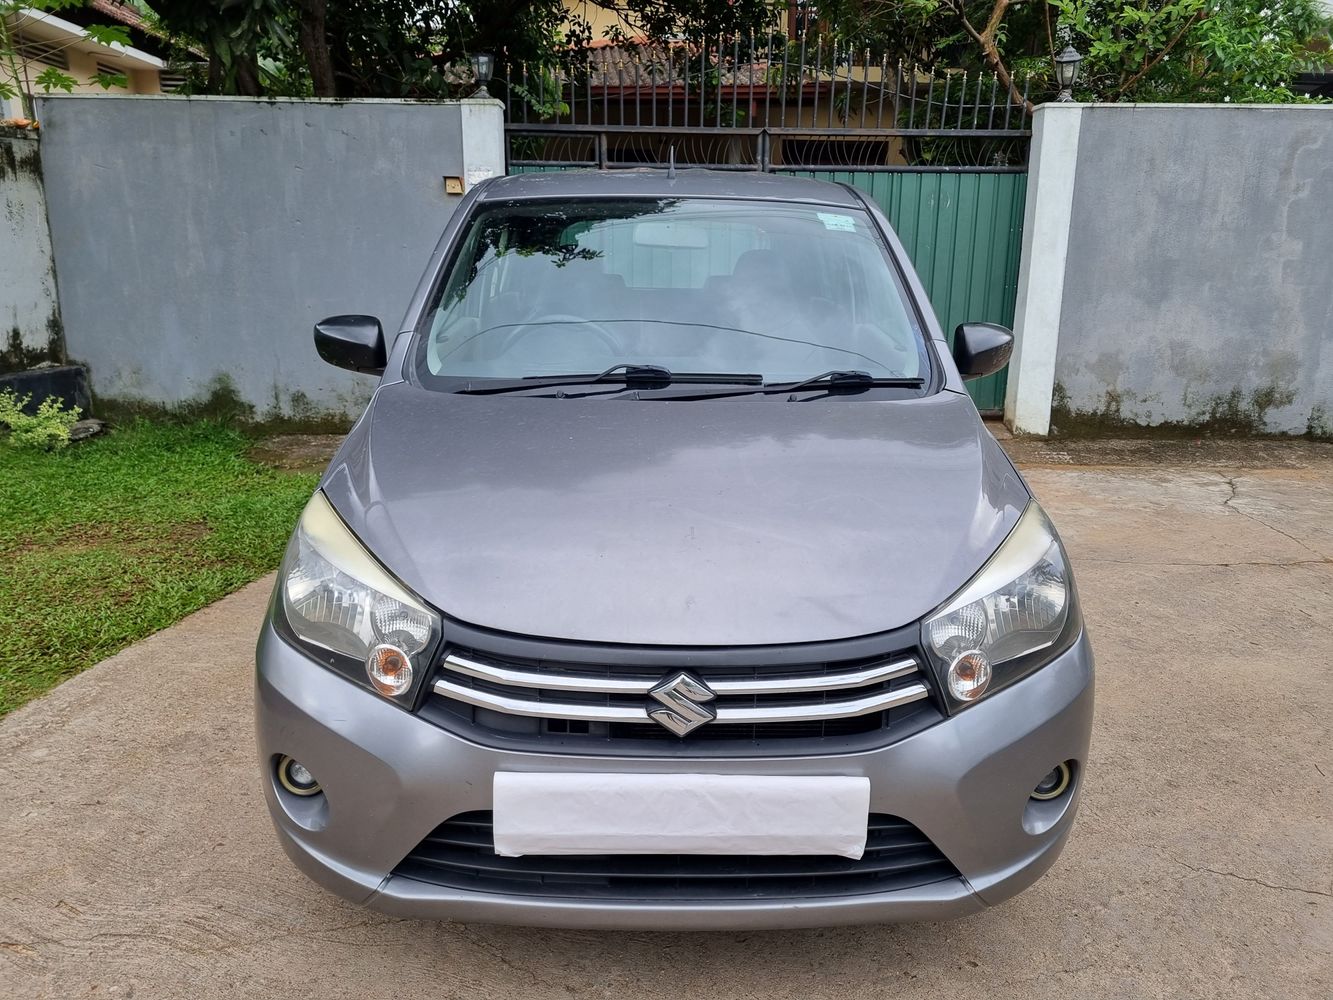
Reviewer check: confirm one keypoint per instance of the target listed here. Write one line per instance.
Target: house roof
(146, 35)
(41, 26)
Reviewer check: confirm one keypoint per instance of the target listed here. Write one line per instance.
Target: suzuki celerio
(670, 579)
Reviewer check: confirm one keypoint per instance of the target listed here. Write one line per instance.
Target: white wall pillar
(483, 140)
(1041, 273)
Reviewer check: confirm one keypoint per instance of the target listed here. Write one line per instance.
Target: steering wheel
(571, 322)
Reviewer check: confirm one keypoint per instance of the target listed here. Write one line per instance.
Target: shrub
(46, 430)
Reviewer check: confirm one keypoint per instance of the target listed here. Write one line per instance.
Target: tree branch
(986, 39)
(1159, 57)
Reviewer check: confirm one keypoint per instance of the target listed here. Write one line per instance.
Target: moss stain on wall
(1233, 413)
(222, 403)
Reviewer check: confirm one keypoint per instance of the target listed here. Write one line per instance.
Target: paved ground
(136, 857)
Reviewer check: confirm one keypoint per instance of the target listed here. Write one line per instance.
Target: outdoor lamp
(1066, 72)
(483, 64)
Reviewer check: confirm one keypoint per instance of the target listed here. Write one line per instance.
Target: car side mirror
(981, 348)
(352, 342)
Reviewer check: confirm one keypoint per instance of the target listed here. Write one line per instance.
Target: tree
(1192, 50)
(314, 43)
(399, 48)
(1135, 50)
(234, 34)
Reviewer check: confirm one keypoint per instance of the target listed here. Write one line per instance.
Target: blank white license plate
(680, 814)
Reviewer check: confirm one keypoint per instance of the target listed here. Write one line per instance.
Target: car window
(781, 290)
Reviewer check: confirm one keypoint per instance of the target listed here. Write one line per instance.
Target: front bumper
(390, 778)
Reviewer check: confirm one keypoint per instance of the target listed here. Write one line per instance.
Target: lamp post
(1066, 72)
(483, 65)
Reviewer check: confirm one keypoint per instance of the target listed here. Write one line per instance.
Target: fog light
(1054, 784)
(296, 777)
(969, 674)
(389, 670)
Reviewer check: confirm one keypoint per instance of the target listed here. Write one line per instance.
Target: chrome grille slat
(829, 694)
(510, 677)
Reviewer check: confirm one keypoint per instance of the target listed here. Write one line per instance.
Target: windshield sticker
(838, 223)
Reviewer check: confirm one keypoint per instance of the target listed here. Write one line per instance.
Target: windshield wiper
(836, 378)
(833, 381)
(634, 376)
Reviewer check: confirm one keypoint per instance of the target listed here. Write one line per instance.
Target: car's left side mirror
(981, 348)
(352, 342)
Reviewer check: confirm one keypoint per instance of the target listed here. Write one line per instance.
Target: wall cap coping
(1149, 105)
(229, 98)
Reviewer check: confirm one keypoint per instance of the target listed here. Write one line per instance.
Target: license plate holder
(549, 813)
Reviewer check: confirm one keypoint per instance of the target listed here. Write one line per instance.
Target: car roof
(689, 182)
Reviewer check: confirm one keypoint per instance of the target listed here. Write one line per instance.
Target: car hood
(726, 522)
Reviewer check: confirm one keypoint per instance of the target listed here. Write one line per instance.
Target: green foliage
(53, 79)
(14, 78)
(126, 534)
(236, 36)
(1190, 50)
(542, 93)
(45, 430)
(109, 34)
(1134, 50)
(405, 48)
(108, 80)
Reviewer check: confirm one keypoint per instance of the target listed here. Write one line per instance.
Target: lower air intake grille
(460, 854)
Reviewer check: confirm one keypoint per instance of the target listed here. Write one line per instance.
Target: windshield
(781, 291)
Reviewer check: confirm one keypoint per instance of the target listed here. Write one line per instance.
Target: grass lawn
(124, 534)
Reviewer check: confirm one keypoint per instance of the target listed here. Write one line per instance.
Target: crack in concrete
(1247, 878)
(1209, 565)
(1235, 492)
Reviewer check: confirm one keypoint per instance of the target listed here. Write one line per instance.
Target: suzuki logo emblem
(683, 702)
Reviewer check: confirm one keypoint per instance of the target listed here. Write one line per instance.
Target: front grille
(827, 706)
(460, 854)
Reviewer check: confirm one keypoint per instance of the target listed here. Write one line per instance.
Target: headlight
(985, 637)
(358, 619)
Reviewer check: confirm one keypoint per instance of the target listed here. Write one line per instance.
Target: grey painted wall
(29, 313)
(1199, 282)
(203, 237)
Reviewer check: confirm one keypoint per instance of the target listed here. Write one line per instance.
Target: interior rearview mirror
(352, 342)
(981, 348)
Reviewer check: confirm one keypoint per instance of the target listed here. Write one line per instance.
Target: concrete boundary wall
(1177, 271)
(1052, 166)
(201, 238)
(29, 307)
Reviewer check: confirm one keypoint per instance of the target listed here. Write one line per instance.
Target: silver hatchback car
(671, 580)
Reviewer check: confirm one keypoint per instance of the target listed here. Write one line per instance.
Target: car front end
(653, 659)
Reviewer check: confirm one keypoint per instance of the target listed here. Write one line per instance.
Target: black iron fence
(740, 104)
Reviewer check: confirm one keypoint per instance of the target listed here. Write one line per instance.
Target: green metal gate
(943, 155)
(964, 233)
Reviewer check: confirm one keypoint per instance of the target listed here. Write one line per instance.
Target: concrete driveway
(136, 858)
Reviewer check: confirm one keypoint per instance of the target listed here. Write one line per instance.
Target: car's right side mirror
(981, 348)
(352, 342)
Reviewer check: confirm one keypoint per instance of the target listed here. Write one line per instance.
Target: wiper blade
(853, 381)
(834, 378)
(629, 373)
(634, 376)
